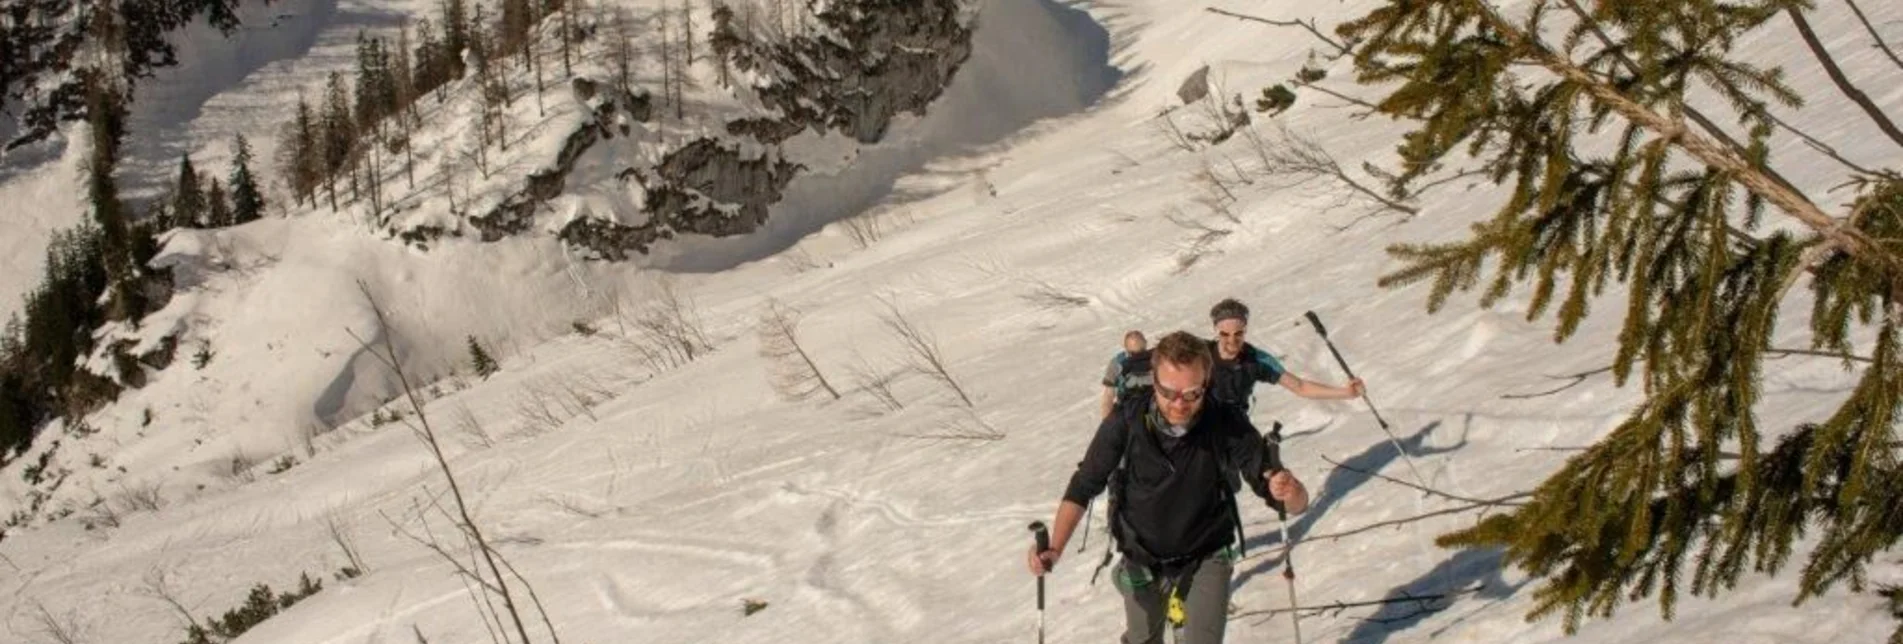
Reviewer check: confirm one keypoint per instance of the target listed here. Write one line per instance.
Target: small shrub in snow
(480, 361)
(284, 463)
(203, 356)
(584, 329)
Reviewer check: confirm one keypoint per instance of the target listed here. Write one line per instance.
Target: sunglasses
(1187, 395)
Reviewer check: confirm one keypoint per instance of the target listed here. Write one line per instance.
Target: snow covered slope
(647, 504)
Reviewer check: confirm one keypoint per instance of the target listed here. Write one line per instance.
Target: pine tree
(106, 114)
(623, 51)
(455, 38)
(1617, 176)
(217, 206)
(480, 361)
(305, 164)
(247, 204)
(687, 34)
(338, 133)
(188, 196)
(667, 59)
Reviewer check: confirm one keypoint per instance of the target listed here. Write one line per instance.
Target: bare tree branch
(1335, 608)
(62, 629)
(922, 348)
(1417, 486)
(428, 434)
(1873, 33)
(1301, 159)
(794, 373)
(158, 585)
(339, 533)
(875, 382)
(1489, 503)
(1821, 354)
(1837, 76)
(1340, 49)
(1577, 379)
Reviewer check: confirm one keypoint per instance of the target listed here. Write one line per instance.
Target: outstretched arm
(1318, 391)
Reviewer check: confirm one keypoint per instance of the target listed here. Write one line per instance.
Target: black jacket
(1175, 497)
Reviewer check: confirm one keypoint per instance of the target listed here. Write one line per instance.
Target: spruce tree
(480, 361)
(305, 164)
(338, 133)
(247, 204)
(456, 27)
(1620, 183)
(217, 206)
(188, 196)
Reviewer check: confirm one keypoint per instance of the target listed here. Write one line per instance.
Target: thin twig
(1577, 378)
(1416, 486)
(1336, 608)
(1309, 25)
(1843, 83)
(1490, 503)
(1821, 354)
(1873, 33)
(1356, 101)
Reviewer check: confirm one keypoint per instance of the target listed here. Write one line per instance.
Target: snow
(651, 512)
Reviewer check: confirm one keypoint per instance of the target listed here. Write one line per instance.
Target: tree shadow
(1340, 482)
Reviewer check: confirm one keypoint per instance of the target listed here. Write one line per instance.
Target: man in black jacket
(1176, 458)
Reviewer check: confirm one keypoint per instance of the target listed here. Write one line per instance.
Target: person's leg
(1143, 604)
(1206, 606)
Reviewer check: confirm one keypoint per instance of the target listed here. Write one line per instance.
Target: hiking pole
(1043, 544)
(1317, 321)
(1273, 443)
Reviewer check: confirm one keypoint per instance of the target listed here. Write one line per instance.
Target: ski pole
(1273, 443)
(1043, 543)
(1317, 322)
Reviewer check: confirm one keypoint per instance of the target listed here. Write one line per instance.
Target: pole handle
(1043, 537)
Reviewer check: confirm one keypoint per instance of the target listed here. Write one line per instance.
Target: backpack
(1134, 376)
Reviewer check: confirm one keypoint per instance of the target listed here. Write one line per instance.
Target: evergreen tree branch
(1843, 83)
(1705, 123)
(1758, 180)
(1873, 33)
(1340, 49)
(1417, 486)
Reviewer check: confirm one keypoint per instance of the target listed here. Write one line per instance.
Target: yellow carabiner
(1176, 614)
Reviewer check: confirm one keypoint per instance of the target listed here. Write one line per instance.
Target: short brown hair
(1133, 334)
(1183, 348)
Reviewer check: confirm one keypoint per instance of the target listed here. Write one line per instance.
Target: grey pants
(1205, 606)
